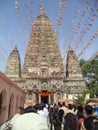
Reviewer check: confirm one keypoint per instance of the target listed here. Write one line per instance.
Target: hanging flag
(64, 0)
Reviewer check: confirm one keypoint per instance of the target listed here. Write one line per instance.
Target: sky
(75, 22)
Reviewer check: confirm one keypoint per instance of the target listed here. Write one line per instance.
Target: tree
(80, 100)
(90, 73)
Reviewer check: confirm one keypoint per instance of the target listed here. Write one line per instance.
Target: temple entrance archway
(45, 97)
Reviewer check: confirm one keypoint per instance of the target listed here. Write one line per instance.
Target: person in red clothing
(80, 116)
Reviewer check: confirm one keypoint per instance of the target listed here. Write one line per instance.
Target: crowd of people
(54, 117)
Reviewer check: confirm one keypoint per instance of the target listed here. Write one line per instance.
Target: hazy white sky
(75, 22)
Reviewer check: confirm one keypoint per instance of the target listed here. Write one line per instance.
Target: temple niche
(42, 75)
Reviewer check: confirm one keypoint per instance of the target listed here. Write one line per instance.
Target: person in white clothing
(45, 110)
(30, 121)
(40, 110)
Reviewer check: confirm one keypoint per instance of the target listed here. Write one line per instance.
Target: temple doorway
(45, 97)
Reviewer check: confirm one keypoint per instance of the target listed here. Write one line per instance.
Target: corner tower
(75, 83)
(13, 66)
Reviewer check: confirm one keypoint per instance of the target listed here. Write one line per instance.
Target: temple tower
(74, 78)
(13, 66)
(42, 72)
(42, 57)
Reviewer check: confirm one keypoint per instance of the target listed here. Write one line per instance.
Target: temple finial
(42, 11)
(69, 48)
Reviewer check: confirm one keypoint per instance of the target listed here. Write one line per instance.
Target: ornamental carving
(44, 85)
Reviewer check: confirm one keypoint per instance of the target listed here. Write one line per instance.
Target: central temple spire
(42, 11)
(46, 58)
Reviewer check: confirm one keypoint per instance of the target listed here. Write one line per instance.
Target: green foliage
(82, 62)
(79, 101)
(81, 98)
(90, 73)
